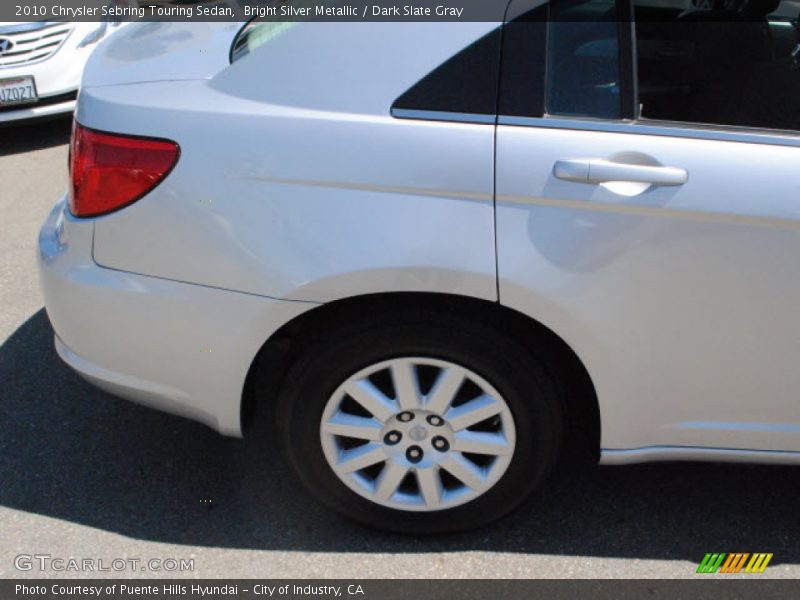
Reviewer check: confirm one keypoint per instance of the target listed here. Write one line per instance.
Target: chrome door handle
(597, 170)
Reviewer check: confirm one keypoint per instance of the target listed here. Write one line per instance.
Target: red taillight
(110, 171)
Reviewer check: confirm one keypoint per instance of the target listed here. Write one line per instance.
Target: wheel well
(268, 369)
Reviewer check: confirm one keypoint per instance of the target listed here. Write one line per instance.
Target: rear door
(655, 224)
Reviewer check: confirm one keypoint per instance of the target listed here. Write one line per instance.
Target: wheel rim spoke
(478, 442)
(464, 470)
(389, 480)
(351, 426)
(473, 412)
(444, 390)
(406, 385)
(361, 457)
(430, 486)
(371, 399)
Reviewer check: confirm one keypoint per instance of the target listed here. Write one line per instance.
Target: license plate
(20, 90)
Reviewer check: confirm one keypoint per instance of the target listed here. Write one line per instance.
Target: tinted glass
(583, 59)
(719, 62)
(523, 67)
(467, 83)
(256, 34)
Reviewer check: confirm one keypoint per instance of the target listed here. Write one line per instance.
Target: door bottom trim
(612, 456)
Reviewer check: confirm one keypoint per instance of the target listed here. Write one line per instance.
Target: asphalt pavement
(87, 476)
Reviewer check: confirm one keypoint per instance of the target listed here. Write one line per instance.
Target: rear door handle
(597, 171)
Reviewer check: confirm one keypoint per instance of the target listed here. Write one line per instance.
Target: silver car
(445, 255)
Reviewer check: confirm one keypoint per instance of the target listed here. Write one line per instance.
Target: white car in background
(41, 65)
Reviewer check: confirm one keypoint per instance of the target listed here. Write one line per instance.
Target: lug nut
(405, 417)
(414, 454)
(441, 444)
(393, 437)
(435, 420)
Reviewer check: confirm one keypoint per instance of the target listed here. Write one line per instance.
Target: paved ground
(85, 475)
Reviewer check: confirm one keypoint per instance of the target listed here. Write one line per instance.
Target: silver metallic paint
(681, 301)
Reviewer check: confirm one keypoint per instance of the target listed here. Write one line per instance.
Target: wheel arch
(266, 373)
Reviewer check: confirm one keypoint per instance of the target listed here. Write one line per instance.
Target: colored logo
(721, 562)
(5, 45)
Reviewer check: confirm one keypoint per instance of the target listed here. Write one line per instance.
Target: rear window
(464, 84)
(256, 34)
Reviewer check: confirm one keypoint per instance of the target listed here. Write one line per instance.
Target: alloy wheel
(418, 434)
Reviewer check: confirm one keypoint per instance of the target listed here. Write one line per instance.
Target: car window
(563, 58)
(256, 34)
(583, 59)
(719, 62)
(523, 65)
(465, 84)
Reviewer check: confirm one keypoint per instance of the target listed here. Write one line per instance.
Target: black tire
(524, 384)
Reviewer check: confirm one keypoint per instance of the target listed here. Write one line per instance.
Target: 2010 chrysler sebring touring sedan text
(445, 254)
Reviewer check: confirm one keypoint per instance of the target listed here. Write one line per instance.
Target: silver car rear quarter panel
(294, 180)
(168, 301)
(182, 348)
(308, 207)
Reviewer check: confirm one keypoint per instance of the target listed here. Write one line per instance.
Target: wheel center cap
(418, 433)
